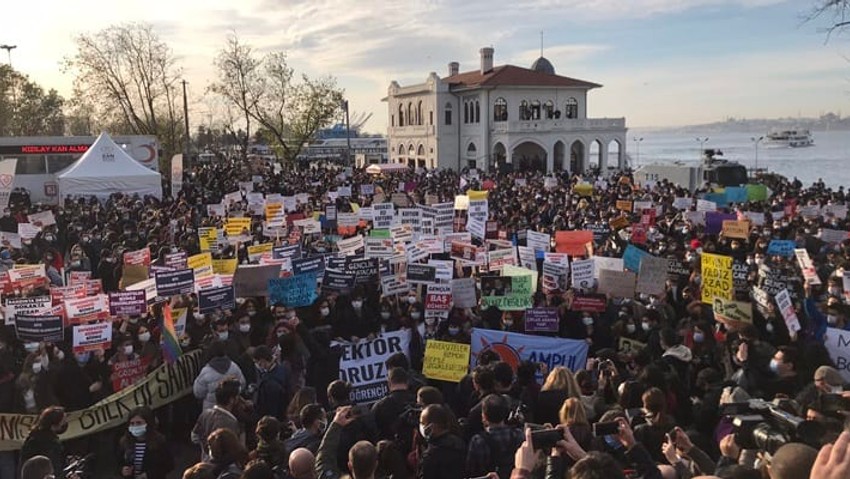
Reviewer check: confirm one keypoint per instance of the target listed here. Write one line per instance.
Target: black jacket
(158, 460)
(45, 443)
(388, 410)
(443, 458)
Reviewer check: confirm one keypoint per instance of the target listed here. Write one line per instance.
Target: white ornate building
(501, 116)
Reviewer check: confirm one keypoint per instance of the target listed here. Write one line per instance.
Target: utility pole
(347, 135)
(187, 160)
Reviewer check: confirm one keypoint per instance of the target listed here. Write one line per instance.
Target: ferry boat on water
(789, 139)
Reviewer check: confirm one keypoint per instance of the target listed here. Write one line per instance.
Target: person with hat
(827, 380)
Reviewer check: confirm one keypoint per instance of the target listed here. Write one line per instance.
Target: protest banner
(714, 221)
(392, 285)
(237, 226)
(682, 203)
(781, 248)
(554, 276)
(445, 361)
(619, 222)
(603, 262)
(807, 267)
(176, 260)
(538, 241)
(617, 284)
(364, 270)
(499, 258)
(201, 264)
(77, 277)
(127, 373)
(350, 246)
(221, 298)
(224, 266)
(167, 383)
(58, 294)
(507, 293)
(639, 234)
(837, 342)
(34, 305)
(629, 346)
(705, 205)
(592, 303)
(716, 278)
(464, 293)
(541, 320)
(789, 314)
(624, 205)
(253, 280)
(736, 229)
(729, 311)
(255, 252)
(39, 328)
(28, 231)
(510, 270)
(139, 257)
(652, 276)
(42, 219)
(421, 274)
(148, 286)
(127, 303)
(172, 283)
(574, 243)
(582, 273)
(514, 348)
(88, 337)
(632, 257)
(309, 265)
(85, 310)
(296, 291)
(438, 297)
(362, 364)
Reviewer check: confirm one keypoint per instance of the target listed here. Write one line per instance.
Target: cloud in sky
(661, 61)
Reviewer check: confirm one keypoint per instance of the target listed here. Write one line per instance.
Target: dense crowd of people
(702, 396)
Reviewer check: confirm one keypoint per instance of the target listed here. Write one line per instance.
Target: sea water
(828, 159)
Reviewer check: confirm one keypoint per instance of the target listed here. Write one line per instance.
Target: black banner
(172, 283)
(421, 273)
(33, 328)
(337, 281)
(211, 299)
(307, 265)
(292, 252)
(364, 270)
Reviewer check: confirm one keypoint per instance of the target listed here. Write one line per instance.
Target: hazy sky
(662, 62)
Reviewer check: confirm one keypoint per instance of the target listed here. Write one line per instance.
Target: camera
(545, 438)
(766, 426)
(606, 428)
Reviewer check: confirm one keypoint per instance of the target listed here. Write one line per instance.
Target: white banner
(837, 342)
(786, 307)
(582, 273)
(362, 364)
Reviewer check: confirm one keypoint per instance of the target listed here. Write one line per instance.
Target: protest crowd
(319, 323)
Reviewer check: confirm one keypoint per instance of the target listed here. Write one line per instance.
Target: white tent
(379, 168)
(106, 169)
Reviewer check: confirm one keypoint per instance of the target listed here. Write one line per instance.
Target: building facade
(504, 117)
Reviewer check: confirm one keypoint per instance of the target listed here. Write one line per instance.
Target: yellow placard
(207, 237)
(273, 209)
(716, 277)
(477, 194)
(255, 251)
(355, 208)
(583, 189)
(224, 266)
(235, 226)
(736, 229)
(201, 263)
(446, 361)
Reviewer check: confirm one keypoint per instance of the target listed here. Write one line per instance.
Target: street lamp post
(9, 49)
(347, 134)
(637, 143)
(756, 142)
(702, 142)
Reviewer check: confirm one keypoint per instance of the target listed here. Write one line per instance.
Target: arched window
(411, 118)
(465, 112)
(448, 114)
(400, 115)
(421, 151)
(471, 150)
(524, 111)
(535, 110)
(400, 149)
(572, 109)
(392, 120)
(500, 110)
(477, 112)
(419, 113)
(411, 153)
(549, 110)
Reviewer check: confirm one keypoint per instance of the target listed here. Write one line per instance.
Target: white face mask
(645, 326)
(424, 431)
(411, 299)
(128, 349)
(36, 367)
(357, 304)
(145, 337)
(385, 315)
(769, 327)
(416, 315)
(630, 328)
(244, 327)
(587, 320)
(138, 431)
(325, 311)
(31, 347)
(60, 355)
(429, 321)
(223, 335)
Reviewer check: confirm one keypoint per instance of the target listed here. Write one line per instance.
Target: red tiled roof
(510, 75)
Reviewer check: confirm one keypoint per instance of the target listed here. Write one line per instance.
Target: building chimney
(454, 68)
(486, 59)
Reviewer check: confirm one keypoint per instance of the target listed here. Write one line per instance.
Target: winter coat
(211, 375)
(443, 458)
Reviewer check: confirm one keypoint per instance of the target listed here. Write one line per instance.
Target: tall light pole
(347, 134)
(702, 142)
(9, 49)
(187, 160)
(756, 142)
(637, 142)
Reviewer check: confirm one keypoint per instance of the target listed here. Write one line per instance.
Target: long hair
(572, 413)
(562, 379)
(225, 448)
(303, 397)
(152, 435)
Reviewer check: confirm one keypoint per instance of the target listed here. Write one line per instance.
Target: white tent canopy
(379, 168)
(106, 169)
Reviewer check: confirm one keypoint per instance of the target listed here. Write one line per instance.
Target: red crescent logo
(6, 180)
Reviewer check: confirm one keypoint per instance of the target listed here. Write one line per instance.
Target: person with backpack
(493, 449)
(271, 397)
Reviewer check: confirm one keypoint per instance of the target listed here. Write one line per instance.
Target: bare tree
(838, 12)
(130, 77)
(239, 81)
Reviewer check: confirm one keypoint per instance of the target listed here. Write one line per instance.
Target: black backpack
(502, 462)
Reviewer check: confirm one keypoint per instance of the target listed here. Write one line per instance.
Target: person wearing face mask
(35, 385)
(149, 349)
(355, 320)
(273, 391)
(217, 368)
(445, 452)
(143, 448)
(43, 439)
(78, 382)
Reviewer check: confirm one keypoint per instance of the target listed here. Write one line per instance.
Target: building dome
(543, 65)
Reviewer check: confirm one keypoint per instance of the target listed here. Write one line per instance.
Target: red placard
(128, 373)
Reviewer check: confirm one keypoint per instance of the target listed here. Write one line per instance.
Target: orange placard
(624, 205)
(619, 222)
(573, 243)
(736, 229)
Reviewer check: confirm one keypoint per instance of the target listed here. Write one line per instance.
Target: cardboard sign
(629, 346)
(127, 373)
(716, 278)
(127, 303)
(392, 285)
(652, 275)
(36, 305)
(807, 267)
(255, 252)
(58, 295)
(89, 337)
(789, 314)
(619, 222)
(350, 246)
(639, 234)
(421, 274)
(42, 219)
(222, 298)
(140, 257)
(617, 284)
(736, 229)
(591, 303)
(632, 257)
(438, 297)
(201, 264)
(362, 364)
(541, 320)
(729, 311)
(837, 342)
(39, 328)
(464, 293)
(445, 361)
(781, 248)
(573, 243)
(86, 310)
(507, 293)
(624, 205)
(582, 273)
(172, 283)
(224, 266)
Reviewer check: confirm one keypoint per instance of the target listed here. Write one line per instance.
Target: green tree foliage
(26, 109)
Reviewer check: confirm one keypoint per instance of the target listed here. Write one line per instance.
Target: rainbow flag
(170, 345)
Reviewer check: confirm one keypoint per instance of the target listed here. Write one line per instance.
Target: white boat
(789, 138)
